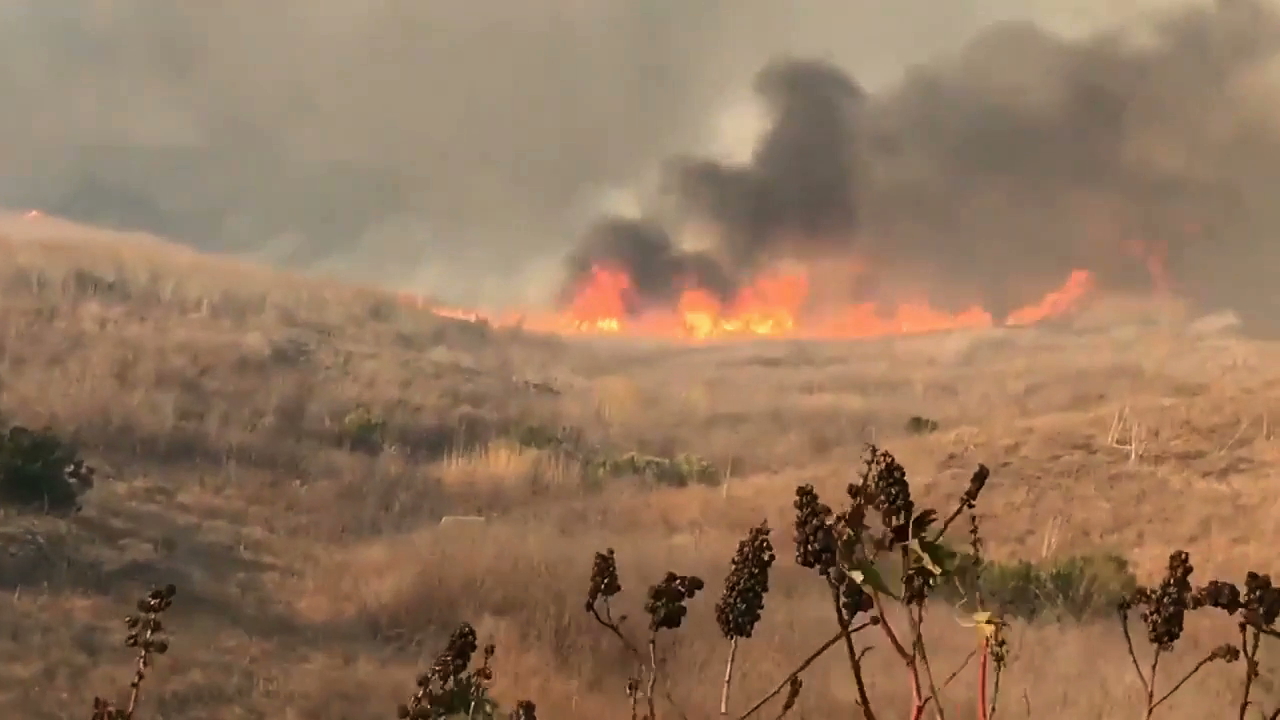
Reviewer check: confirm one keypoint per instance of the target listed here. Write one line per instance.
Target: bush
(364, 431)
(679, 471)
(919, 425)
(39, 470)
(1076, 587)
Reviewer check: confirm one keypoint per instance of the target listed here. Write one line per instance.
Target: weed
(146, 634)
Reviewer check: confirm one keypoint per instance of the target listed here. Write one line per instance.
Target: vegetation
(38, 470)
(598, 464)
(850, 550)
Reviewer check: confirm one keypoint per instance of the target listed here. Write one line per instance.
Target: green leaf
(936, 557)
(865, 574)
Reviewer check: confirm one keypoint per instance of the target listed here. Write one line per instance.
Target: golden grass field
(315, 580)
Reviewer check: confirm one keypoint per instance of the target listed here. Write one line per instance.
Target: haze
(438, 144)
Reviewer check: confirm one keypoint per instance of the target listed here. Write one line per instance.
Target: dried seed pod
(976, 484)
(742, 601)
(1165, 606)
(666, 600)
(604, 578)
(524, 710)
(453, 662)
(814, 536)
(890, 491)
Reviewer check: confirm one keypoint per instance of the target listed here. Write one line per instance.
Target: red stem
(982, 680)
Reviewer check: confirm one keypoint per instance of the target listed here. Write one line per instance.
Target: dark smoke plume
(642, 248)
(795, 197)
(1147, 155)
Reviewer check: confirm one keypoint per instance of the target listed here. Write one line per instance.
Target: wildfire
(772, 305)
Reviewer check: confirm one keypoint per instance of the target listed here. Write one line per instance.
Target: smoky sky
(1148, 153)
(464, 141)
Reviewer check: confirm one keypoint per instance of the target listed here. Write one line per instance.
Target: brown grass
(315, 579)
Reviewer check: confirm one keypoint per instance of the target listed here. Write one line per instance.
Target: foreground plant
(146, 634)
(1164, 609)
(846, 548)
(665, 606)
(451, 688)
(742, 601)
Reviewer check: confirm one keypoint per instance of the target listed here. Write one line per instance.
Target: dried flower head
(1164, 608)
(448, 687)
(742, 601)
(889, 491)
(854, 599)
(666, 600)
(976, 483)
(524, 710)
(604, 578)
(1258, 604)
(815, 536)
(917, 582)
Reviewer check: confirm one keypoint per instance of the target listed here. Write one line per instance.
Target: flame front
(772, 305)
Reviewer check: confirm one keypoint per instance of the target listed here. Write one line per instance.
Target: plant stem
(934, 692)
(804, 665)
(1248, 648)
(1178, 685)
(983, 662)
(1151, 686)
(1133, 654)
(995, 694)
(909, 658)
(612, 626)
(854, 663)
(728, 677)
(653, 674)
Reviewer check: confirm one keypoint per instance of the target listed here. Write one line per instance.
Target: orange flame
(772, 305)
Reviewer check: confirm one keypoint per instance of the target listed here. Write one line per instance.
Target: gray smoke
(1148, 156)
(466, 136)
(323, 132)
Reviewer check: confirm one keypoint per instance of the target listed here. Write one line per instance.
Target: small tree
(38, 470)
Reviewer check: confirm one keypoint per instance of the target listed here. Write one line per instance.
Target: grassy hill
(284, 449)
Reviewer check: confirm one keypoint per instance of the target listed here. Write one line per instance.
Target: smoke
(1147, 153)
(441, 139)
(795, 196)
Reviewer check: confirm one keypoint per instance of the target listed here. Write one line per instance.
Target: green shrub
(364, 431)
(544, 437)
(679, 471)
(918, 425)
(39, 470)
(1076, 587)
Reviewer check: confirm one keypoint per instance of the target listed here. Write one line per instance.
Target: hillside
(284, 448)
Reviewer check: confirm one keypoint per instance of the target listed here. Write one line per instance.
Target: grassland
(283, 449)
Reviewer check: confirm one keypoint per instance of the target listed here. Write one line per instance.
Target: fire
(773, 305)
(1055, 303)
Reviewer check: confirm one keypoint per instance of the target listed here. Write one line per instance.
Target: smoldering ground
(1146, 154)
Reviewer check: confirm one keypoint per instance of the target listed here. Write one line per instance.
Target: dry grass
(315, 580)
